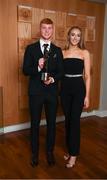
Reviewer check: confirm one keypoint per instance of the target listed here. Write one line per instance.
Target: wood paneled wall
(1, 109)
(9, 53)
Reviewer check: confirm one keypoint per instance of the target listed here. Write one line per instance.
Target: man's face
(46, 31)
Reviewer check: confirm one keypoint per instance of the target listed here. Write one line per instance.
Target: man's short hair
(46, 21)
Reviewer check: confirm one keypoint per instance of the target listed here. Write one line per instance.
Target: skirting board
(22, 126)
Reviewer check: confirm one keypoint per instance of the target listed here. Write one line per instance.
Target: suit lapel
(38, 52)
(52, 50)
(38, 49)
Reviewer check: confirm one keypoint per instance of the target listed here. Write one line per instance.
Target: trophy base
(45, 76)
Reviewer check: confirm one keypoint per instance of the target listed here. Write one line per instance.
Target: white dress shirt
(42, 42)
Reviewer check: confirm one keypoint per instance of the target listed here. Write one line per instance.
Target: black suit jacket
(30, 67)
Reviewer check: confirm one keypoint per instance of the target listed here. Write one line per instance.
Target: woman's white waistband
(73, 75)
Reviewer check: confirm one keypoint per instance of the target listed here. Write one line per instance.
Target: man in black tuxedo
(42, 91)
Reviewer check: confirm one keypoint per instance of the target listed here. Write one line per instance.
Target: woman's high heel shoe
(71, 162)
(66, 157)
(70, 165)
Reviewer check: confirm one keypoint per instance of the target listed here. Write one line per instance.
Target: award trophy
(45, 74)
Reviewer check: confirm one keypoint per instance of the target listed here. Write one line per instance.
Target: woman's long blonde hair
(81, 44)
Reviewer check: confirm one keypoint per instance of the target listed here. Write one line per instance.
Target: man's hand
(49, 81)
(41, 63)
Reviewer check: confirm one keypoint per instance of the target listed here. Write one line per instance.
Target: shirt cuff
(39, 69)
(52, 80)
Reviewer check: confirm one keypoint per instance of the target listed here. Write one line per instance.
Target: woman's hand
(86, 102)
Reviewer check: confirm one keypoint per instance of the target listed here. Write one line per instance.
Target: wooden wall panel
(9, 61)
(0, 45)
(37, 16)
(24, 30)
(1, 110)
(11, 64)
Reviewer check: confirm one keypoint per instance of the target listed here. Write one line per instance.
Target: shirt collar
(42, 42)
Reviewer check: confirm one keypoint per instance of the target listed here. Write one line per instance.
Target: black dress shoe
(50, 159)
(34, 162)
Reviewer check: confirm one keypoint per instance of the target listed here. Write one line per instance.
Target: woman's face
(75, 36)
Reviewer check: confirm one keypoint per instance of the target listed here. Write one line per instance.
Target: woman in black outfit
(74, 90)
